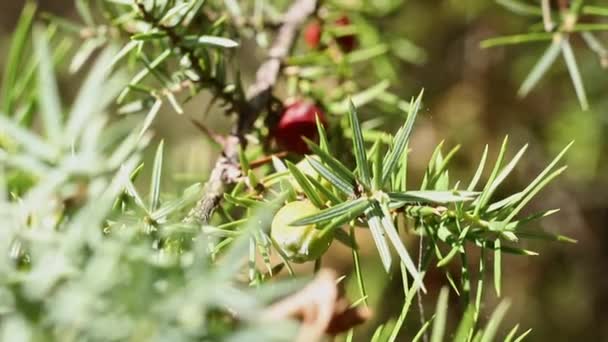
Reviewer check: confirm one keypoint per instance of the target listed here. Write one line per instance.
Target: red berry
(312, 34)
(298, 120)
(349, 42)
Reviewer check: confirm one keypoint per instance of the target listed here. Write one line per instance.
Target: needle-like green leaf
(531, 218)
(358, 205)
(484, 197)
(422, 331)
(335, 180)
(332, 163)
(590, 27)
(392, 234)
(516, 39)
(84, 52)
(539, 70)
(377, 231)
(410, 294)
(520, 7)
(529, 195)
(433, 165)
(575, 74)
(156, 177)
(84, 9)
(376, 158)
(242, 201)
(15, 56)
(523, 335)
(217, 41)
(49, 100)
(511, 335)
(362, 55)
(492, 327)
(440, 179)
(123, 52)
(497, 267)
(441, 313)
(595, 10)
(539, 182)
(150, 35)
(143, 73)
(89, 98)
(504, 203)
(431, 196)
(401, 140)
(308, 189)
(535, 234)
(466, 325)
(132, 191)
(359, 146)
(173, 12)
(190, 195)
(505, 172)
(324, 190)
(479, 171)
(323, 144)
(149, 119)
(513, 250)
(28, 140)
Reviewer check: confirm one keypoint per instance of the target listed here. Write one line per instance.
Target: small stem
(479, 291)
(468, 218)
(357, 263)
(425, 337)
(465, 279)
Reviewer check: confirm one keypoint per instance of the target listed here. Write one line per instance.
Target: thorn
(266, 159)
(218, 139)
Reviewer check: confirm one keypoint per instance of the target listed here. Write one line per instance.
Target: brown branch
(226, 170)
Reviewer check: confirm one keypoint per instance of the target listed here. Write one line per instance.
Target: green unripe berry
(299, 243)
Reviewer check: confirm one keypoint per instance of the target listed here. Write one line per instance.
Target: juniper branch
(203, 78)
(259, 94)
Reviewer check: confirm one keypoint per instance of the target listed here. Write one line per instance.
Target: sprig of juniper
(81, 237)
(560, 21)
(374, 194)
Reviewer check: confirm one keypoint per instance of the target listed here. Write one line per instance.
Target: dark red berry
(312, 35)
(348, 42)
(298, 120)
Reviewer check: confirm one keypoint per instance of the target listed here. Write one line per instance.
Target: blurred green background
(470, 99)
